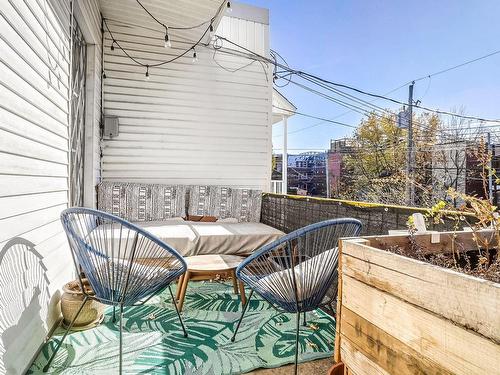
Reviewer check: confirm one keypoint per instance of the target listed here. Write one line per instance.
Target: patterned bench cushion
(142, 202)
(224, 202)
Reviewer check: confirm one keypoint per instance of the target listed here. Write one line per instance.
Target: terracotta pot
(92, 313)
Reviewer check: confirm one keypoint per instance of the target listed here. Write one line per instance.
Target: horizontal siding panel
(205, 132)
(142, 94)
(17, 125)
(184, 156)
(21, 165)
(153, 55)
(157, 82)
(203, 103)
(42, 233)
(200, 147)
(17, 104)
(22, 185)
(16, 84)
(13, 206)
(187, 110)
(168, 139)
(254, 160)
(205, 125)
(30, 72)
(252, 183)
(114, 109)
(199, 169)
(19, 225)
(221, 173)
(204, 71)
(17, 144)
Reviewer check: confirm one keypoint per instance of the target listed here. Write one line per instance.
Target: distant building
(307, 174)
(456, 166)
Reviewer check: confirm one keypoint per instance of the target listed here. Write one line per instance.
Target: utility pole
(410, 163)
(490, 176)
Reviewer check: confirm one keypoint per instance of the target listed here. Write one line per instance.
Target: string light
(104, 75)
(195, 58)
(168, 44)
(212, 34)
(229, 9)
(113, 45)
(147, 72)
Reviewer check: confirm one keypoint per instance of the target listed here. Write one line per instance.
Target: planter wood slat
(392, 354)
(398, 315)
(359, 364)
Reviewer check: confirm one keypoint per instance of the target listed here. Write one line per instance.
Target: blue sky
(378, 45)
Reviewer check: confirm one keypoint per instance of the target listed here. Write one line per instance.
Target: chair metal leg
(297, 342)
(121, 339)
(242, 314)
(177, 310)
(46, 367)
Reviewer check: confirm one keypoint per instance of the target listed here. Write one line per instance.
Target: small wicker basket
(92, 313)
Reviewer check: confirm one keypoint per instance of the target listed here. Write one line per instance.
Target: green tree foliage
(375, 168)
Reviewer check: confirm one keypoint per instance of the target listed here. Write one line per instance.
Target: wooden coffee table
(201, 267)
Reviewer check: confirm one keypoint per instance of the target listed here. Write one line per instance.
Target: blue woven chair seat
(310, 279)
(148, 275)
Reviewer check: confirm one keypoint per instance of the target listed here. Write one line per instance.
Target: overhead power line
(316, 117)
(455, 66)
(396, 101)
(363, 92)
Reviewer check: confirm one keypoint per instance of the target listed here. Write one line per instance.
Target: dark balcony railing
(290, 212)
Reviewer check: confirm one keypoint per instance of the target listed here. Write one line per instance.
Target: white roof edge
(280, 101)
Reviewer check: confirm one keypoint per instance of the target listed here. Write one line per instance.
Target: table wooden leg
(235, 281)
(179, 287)
(242, 293)
(185, 281)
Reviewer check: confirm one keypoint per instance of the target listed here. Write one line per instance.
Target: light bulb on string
(113, 45)
(229, 9)
(212, 34)
(147, 73)
(195, 57)
(168, 43)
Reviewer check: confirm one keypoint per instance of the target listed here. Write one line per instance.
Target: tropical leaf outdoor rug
(153, 342)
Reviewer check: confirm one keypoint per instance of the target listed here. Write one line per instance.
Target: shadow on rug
(153, 342)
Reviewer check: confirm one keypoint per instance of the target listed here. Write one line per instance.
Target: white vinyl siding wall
(34, 258)
(34, 68)
(190, 123)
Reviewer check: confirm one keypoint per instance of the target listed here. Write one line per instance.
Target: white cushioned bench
(159, 210)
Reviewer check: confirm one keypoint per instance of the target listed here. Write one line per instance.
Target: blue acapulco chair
(295, 272)
(124, 264)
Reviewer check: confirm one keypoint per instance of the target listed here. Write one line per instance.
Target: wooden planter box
(398, 315)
